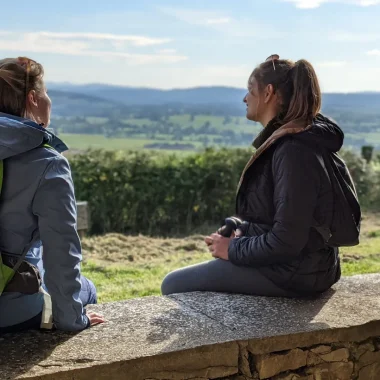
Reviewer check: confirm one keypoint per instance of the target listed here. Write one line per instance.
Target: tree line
(171, 195)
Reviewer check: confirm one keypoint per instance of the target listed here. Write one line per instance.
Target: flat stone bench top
(161, 334)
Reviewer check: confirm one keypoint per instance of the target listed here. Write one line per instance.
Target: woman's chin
(249, 116)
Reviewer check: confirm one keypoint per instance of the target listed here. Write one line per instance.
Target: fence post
(83, 218)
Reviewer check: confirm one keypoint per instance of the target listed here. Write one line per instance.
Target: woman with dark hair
(37, 212)
(284, 193)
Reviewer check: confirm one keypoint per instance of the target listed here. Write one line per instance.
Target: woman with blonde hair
(40, 251)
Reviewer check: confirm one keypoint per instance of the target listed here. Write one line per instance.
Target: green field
(141, 132)
(199, 130)
(125, 267)
(82, 142)
(240, 124)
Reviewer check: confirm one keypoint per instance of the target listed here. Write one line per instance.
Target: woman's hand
(95, 318)
(218, 245)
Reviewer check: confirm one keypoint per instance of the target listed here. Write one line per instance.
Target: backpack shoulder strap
(26, 249)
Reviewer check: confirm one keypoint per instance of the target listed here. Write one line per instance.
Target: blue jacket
(38, 210)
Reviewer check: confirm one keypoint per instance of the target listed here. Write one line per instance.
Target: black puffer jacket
(281, 195)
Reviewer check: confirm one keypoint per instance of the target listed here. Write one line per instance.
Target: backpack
(6, 272)
(345, 226)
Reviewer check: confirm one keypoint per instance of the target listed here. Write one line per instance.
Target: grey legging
(221, 276)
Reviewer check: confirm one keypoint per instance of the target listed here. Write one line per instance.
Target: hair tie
(25, 62)
(22, 61)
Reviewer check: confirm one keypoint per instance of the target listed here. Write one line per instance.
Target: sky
(180, 44)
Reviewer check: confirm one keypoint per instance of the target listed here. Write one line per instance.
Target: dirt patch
(349, 258)
(370, 223)
(118, 248)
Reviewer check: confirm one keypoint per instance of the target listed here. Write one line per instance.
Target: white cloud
(342, 36)
(331, 64)
(167, 51)
(134, 40)
(220, 20)
(104, 46)
(374, 52)
(306, 4)
(196, 17)
(310, 4)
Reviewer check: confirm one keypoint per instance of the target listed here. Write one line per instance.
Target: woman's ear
(31, 108)
(268, 93)
(32, 98)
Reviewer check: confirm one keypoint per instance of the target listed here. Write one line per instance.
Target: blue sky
(179, 44)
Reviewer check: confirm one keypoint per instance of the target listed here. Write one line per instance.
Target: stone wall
(336, 361)
(204, 336)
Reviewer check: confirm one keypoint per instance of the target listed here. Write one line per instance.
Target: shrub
(161, 194)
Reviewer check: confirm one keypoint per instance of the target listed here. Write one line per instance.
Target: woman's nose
(245, 99)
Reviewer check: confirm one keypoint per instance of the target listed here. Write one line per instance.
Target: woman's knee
(189, 279)
(172, 283)
(166, 286)
(88, 293)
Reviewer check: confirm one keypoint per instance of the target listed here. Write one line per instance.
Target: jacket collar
(49, 137)
(266, 133)
(291, 128)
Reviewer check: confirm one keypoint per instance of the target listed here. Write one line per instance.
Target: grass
(125, 267)
(364, 258)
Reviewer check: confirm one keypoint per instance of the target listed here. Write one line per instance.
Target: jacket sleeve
(296, 178)
(55, 206)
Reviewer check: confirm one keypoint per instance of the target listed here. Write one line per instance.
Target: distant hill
(202, 95)
(200, 116)
(138, 96)
(68, 104)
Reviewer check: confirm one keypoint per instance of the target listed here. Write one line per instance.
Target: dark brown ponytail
(306, 100)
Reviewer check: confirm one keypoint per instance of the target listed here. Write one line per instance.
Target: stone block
(151, 337)
(320, 350)
(295, 323)
(365, 347)
(273, 364)
(368, 359)
(340, 355)
(370, 372)
(321, 354)
(293, 376)
(332, 371)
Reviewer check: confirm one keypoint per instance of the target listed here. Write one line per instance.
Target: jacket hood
(323, 133)
(19, 135)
